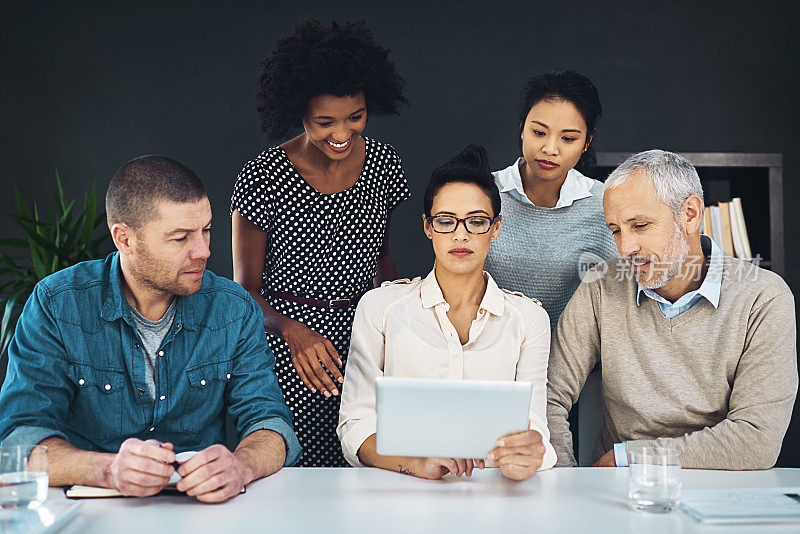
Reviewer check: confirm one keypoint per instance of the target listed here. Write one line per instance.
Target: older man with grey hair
(697, 349)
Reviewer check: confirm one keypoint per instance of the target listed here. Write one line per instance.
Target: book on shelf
(724, 223)
(727, 231)
(737, 207)
(706, 226)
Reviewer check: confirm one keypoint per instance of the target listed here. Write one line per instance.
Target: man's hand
(607, 460)
(141, 468)
(436, 468)
(214, 474)
(518, 456)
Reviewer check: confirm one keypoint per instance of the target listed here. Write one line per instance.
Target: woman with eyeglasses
(311, 216)
(555, 228)
(455, 323)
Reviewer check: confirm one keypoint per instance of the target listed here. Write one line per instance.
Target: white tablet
(448, 418)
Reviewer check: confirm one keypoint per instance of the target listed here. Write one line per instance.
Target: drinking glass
(23, 475)
(655, 479)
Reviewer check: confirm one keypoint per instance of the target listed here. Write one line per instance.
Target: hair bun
(473, 158)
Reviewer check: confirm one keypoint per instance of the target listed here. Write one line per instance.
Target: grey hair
(673, 176)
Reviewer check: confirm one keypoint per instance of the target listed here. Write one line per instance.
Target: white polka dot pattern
(322, 247)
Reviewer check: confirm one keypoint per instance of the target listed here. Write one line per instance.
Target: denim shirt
(76, 367)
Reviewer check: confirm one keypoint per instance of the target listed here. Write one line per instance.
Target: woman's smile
(339, 147)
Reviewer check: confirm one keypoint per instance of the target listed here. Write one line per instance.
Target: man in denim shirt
(79, 377)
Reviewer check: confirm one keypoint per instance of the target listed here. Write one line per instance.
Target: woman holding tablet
(455, 323)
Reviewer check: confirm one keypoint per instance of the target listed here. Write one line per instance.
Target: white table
(328, 501)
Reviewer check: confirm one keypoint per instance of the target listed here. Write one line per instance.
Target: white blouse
(402, 329)
(576, 186)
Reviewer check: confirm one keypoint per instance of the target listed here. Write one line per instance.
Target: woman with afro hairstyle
(311, 215)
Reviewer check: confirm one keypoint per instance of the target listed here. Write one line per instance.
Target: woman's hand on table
(518, 456)
(312, 354)
(436, 468)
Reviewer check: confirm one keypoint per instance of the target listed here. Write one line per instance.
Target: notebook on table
(743, 505)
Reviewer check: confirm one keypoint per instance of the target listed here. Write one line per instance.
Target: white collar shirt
(402, 329)
(576, 186)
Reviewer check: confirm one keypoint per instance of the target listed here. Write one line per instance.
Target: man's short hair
(674, 177)
(140, 183)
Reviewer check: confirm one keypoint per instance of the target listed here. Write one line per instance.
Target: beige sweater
(718, 384)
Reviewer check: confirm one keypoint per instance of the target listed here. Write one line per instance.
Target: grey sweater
(539, 249)
(718, 384)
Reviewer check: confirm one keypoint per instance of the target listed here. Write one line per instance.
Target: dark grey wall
(86, 88)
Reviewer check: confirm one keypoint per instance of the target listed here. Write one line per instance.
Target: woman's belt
(338, 304)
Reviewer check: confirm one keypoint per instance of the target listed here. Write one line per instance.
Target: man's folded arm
(574, 353)
(761, 401)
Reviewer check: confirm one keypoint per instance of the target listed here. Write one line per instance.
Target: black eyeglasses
(474, 224)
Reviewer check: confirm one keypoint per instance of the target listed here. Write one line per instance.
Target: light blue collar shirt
(710, 288)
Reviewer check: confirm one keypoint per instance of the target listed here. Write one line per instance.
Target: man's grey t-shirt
(151, 334)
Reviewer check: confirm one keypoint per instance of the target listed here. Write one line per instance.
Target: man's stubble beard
(677, 253)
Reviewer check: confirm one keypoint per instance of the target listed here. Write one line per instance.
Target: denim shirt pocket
(205, 399)
(96, 409)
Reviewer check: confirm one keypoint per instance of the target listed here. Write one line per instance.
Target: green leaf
(7, 325)
(23, 209)
(60, 197)
(66, 215)
(89, 214)
(38, 265)
(13, 242)
(44, 246)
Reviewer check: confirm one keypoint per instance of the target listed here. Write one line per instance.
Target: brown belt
(338, 304)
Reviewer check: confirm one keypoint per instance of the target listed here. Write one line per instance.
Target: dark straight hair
(470, 166)
(569, 86)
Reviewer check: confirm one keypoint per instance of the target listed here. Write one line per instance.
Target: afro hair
(341, 60)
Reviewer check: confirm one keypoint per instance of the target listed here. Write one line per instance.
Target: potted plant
(61, 238)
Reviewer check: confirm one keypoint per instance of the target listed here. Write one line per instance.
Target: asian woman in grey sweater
(554, 227)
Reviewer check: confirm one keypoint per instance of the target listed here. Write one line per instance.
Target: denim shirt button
(228, 376)
(152, 428)
(162, 397)
(81, 382)
(203, 382)
(161, 353)
(108, 386)
(141, 391)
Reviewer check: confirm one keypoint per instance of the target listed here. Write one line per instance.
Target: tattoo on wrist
(405, 470)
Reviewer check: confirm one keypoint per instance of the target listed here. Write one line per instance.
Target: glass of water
(655, 479)
(23, 475)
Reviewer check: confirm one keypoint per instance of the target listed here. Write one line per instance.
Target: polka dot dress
(323, 247)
